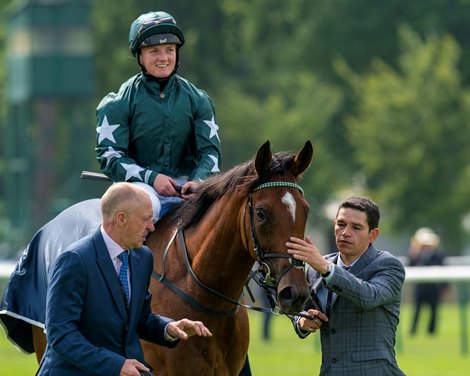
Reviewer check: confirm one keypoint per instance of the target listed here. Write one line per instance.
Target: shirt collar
(114, 248)
(343, 265)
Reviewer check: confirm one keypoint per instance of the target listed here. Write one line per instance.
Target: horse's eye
(260, 214)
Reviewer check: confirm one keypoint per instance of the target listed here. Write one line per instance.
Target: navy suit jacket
(359, 337)
(89, 330)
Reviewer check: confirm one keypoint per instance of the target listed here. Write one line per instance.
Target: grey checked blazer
(359, 338)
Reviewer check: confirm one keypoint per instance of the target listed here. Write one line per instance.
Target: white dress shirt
(115, 250)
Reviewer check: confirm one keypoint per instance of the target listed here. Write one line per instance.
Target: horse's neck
(217, 250)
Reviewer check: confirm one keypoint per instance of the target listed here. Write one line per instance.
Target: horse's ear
(302, 159)
(263, 158)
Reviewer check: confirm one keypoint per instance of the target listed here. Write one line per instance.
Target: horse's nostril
(285, 295)
(291, 300)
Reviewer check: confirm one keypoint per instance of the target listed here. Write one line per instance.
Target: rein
(263, 279)
(161, 278)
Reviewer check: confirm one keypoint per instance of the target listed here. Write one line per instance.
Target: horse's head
(276, 211)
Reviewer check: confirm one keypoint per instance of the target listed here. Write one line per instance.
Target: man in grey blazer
(94, 318)
(356, 295)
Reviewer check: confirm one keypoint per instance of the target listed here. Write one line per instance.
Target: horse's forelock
(282, 161)
(280, 164)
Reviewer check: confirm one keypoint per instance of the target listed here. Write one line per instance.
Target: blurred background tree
(381, 89)
(409, 133)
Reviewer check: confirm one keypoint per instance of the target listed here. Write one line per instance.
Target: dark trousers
(246, 371)
(427, 295)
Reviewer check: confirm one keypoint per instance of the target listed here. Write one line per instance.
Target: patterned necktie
(124, 257)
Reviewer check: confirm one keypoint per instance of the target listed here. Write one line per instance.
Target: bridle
(262, 276)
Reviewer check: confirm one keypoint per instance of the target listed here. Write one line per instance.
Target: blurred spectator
(424, 251)
(266, 328)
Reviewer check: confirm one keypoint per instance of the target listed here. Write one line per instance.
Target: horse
(204, 252)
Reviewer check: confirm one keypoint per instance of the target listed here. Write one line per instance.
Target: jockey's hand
(131, 367)
(165, 186)
(189, 189)
(183, 329)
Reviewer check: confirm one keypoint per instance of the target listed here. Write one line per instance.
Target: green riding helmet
(154, 28)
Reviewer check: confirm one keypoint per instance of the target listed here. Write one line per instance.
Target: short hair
(120, 196)
(366, 205)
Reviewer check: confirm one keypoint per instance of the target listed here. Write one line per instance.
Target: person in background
(266, 328)
(159, 130)
(424, 251)
(356, 295)
(98, 301)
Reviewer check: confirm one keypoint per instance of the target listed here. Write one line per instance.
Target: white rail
(460, 275)
(437, 273)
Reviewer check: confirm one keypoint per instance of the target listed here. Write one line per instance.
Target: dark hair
(365, 205)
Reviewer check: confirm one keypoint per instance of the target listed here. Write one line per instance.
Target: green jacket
(143, 131)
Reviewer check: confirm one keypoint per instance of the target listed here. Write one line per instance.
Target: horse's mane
(241, 178)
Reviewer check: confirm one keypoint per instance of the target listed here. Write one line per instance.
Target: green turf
(286, 354)
(13, 362)
(421, 355)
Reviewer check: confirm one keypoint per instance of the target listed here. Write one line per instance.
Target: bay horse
(206, 249)
(204, 252)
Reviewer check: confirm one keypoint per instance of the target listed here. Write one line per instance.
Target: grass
(13, 362)
(420, 355)
(286, 354)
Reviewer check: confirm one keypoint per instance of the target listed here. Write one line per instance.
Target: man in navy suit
(94, 319)
(356, 293)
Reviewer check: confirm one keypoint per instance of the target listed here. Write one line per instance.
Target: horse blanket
(24, 299)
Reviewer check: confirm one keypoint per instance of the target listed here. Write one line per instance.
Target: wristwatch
(330, 269)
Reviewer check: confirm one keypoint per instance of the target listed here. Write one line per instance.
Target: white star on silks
(216, 163)
(110, 154)
(106, 130)
(213, 127)
(132, 170)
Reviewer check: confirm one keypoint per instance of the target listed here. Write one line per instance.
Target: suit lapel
(364, 260)
(138, 283)
(135, 281)
(319, 288)
(109, 274)
(318, 281)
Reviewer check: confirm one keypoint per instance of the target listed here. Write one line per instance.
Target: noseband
(265, 280)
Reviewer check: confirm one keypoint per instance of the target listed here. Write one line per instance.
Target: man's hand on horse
(183, 329)
(311, 325)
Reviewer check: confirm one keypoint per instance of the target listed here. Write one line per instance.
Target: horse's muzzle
(292, 299)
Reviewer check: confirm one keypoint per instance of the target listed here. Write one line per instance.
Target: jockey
(159, 130)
